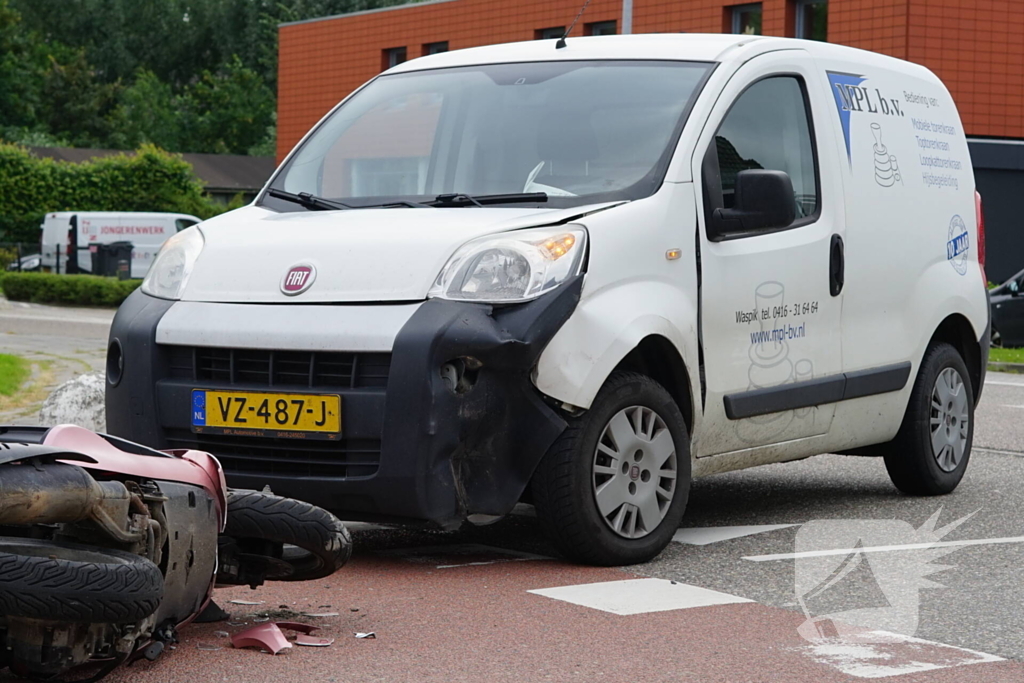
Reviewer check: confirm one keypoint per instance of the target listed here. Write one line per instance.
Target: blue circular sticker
(957, 245)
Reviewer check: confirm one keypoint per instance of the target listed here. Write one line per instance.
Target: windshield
(579, 132)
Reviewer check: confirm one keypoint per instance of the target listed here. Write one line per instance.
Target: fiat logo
(298, 279)
(634, 472)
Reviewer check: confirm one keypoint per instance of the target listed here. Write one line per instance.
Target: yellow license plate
(259, 413)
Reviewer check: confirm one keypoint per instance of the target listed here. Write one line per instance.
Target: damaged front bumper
(460, 425)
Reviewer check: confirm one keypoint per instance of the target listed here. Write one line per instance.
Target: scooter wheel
(74, 583)
(322, 544)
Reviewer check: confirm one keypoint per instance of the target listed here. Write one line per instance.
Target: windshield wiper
(311, 202)
(393, 203)
(482, 199)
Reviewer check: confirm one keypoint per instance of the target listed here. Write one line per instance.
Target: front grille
(344, 459)
(265, 368)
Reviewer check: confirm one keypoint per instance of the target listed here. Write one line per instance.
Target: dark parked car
(1008, 312)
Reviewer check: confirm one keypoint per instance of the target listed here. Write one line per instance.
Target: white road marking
(638, 596)
(884, 548)
(998, 451)
(1006, 405)
(1005, 384)
(880, 654)
(714, 534)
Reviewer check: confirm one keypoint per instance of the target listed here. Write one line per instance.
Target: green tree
(74, 104)
(147, 112)
(22, 62)
(227, 110)
(188, 75)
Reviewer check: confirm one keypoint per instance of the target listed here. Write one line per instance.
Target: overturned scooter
(108, 547)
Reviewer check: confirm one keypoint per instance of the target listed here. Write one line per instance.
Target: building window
(599, 28)
(393, 56)
(552, 33)
(746, 19)
(811, 19)
(435, 48)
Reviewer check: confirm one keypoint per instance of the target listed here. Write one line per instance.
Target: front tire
(613, 488)
(930, 453)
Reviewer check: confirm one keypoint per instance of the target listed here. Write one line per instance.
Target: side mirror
(764, 200)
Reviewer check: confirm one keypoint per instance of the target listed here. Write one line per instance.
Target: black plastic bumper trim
(814, 392)
(445, 451)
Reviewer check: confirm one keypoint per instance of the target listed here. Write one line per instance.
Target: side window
(768, 127)
(182, 223)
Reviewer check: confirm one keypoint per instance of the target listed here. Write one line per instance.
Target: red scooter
(108, 547)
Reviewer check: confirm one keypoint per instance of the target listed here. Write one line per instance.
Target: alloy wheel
(949, 419)
(634, 474)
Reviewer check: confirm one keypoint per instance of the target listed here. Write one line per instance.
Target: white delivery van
(580, 277)
(82, 231)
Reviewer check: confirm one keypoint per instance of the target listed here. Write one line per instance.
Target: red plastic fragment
(266, 636)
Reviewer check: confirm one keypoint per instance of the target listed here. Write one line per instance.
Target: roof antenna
(561, 41)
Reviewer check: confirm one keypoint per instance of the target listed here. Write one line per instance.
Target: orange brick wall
(977, 48)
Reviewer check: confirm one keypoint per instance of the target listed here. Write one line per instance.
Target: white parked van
(580, 277)
(82, 230)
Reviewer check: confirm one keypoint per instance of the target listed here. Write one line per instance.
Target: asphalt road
(463, 606)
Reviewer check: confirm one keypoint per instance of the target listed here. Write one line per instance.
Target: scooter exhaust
(56, 494)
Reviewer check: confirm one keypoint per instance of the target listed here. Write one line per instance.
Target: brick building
(977, 48)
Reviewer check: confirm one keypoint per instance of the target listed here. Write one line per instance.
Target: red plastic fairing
(188, 467)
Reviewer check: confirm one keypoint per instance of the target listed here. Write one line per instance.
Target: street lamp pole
(627, 16)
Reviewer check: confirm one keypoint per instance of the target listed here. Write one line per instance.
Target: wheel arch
(656, 357)
(581, 357)
(957, 331)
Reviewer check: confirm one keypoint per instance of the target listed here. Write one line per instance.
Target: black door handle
(836, 266)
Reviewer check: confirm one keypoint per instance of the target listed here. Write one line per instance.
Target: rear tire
(613, 487)
(75, 583)
(930, 453)
(323, 544)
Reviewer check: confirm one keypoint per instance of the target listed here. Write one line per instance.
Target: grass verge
(14, 370)
(1006, 355)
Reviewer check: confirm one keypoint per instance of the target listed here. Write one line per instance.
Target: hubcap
(949, 419)
(634, 472)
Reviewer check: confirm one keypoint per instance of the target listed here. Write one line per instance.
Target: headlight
(169, 273)
(512, 266)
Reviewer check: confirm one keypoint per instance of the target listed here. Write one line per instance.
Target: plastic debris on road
(270, 637)
(295, 626)
(371, 634)
(265, 636)
(313, 641)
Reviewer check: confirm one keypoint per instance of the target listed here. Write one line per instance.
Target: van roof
(698, 47)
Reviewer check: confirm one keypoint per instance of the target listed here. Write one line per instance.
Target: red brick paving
(478, 623)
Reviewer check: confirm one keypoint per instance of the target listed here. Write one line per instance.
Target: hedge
(79, 290)
(150, 180)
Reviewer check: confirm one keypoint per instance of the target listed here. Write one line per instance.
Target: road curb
(1007, 367)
